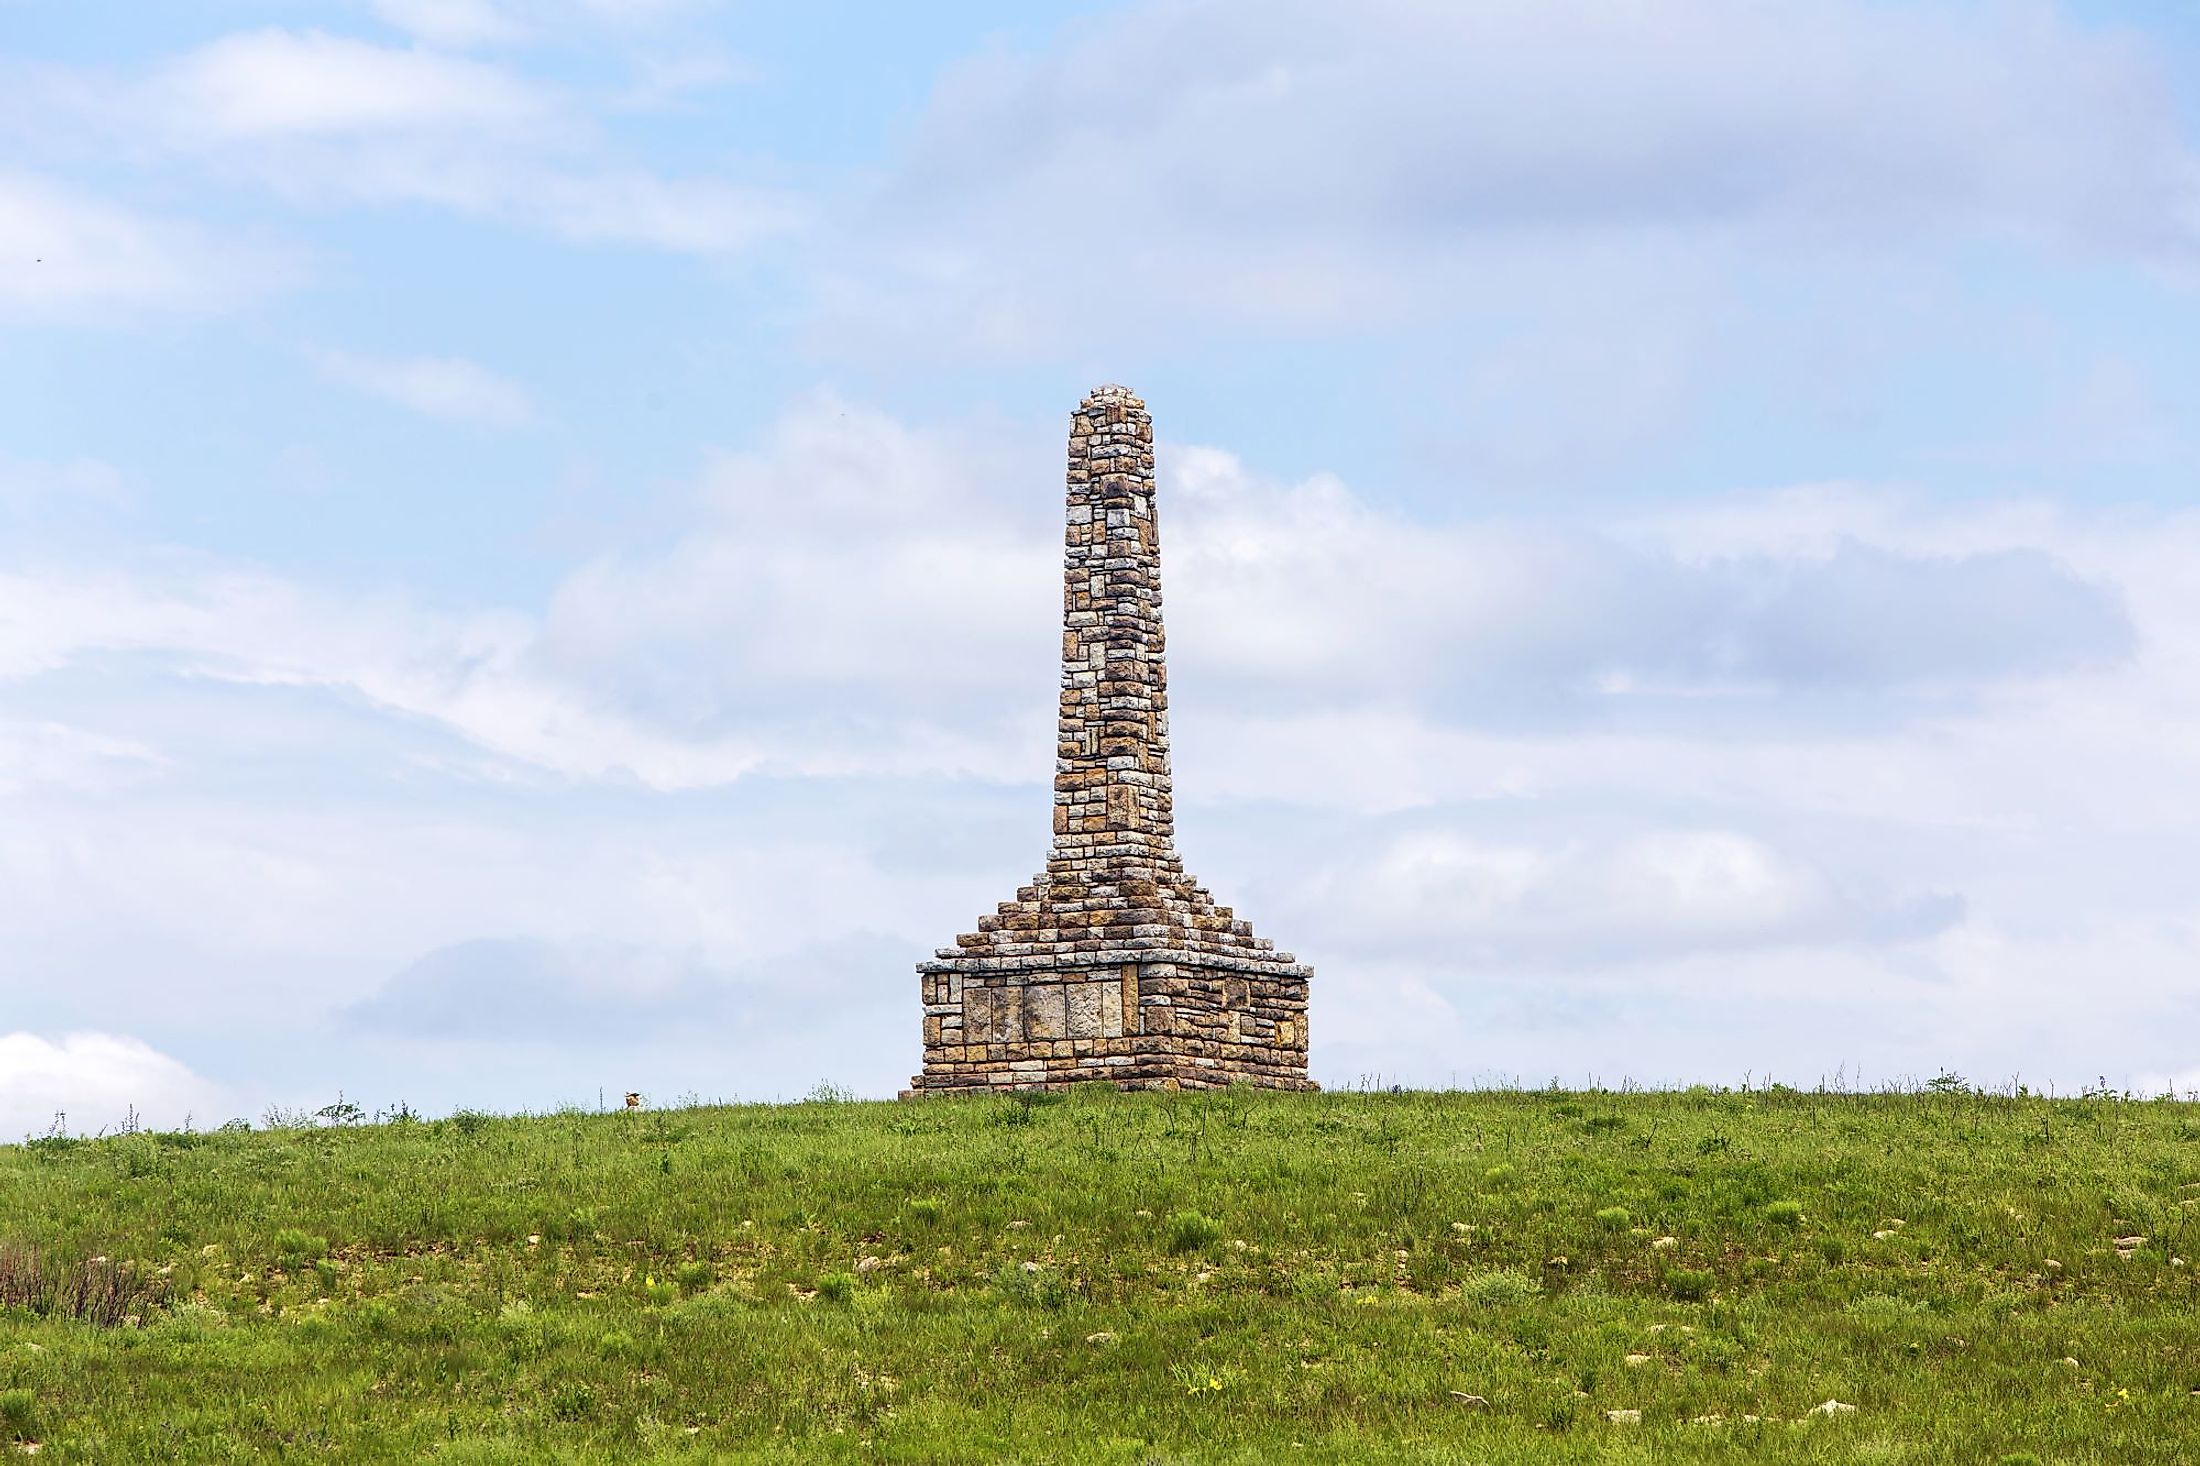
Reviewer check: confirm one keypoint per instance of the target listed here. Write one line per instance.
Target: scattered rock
(1637, 1361)
(2052, 1266)
(1665, 1244)
(1017, 1224)
(1833, 1407)
(1103, 1337)
(1883, 1234)
(1624, 1417)
(2069, 1361)
(1708, 1420)
(1472, 1402)
(1032, 1267)
(873, 1264)
(1461, 1227)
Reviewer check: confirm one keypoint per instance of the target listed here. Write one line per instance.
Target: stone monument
(1113, 964)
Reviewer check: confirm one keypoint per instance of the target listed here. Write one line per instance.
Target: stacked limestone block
(1114, 964)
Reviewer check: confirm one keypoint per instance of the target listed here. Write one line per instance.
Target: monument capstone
(1113, 964)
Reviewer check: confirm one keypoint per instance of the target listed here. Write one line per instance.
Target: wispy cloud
(455, 23)
(327, 119)
(445, 387)
(68, 253)
(276, 84)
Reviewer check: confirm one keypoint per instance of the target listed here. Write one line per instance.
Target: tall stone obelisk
(1113, 964)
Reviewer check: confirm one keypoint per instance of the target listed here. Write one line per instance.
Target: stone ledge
(1073, 961)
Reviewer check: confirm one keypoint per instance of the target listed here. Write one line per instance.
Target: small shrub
(1498, 1177)
(1032, 1286)
(1191, 1231)
(659, 1291)
(1499, 1287)
(617, 1344)
(572, 1402)
(325, 1274)
(1784, 1213)
(693, 1277)
(1615, 1219)
(294, 1248)
(19, 1414)
(837, 1287)
(470, 1123)
(926, 1209)
(1604, 1124)
(1689, 1285)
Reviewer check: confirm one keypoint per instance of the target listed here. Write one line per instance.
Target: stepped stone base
(1138, 1020)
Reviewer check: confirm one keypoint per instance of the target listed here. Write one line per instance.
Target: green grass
(1230, 1277)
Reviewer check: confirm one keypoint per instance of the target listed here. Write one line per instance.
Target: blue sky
(528, 531)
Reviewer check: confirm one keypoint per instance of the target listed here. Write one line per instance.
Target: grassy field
(1484, 1277)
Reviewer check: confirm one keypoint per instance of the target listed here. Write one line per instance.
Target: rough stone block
(1088, 1004)
(1045, 1012)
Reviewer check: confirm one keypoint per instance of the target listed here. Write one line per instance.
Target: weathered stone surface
(1114, 963)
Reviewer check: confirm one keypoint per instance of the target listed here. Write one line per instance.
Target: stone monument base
(1137, 1020)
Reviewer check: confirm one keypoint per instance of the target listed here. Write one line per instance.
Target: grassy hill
(1489, 1277)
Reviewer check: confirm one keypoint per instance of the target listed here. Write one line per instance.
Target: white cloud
(463, 23)
(71, 254)
(97, 1080)
(328, 119)
(471, 673)
(437, 386)
(455, 23)
(1301, 165)
(1644, 896)
(53, 756)
(1308, 584)
(26, 485)
(290, 84)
